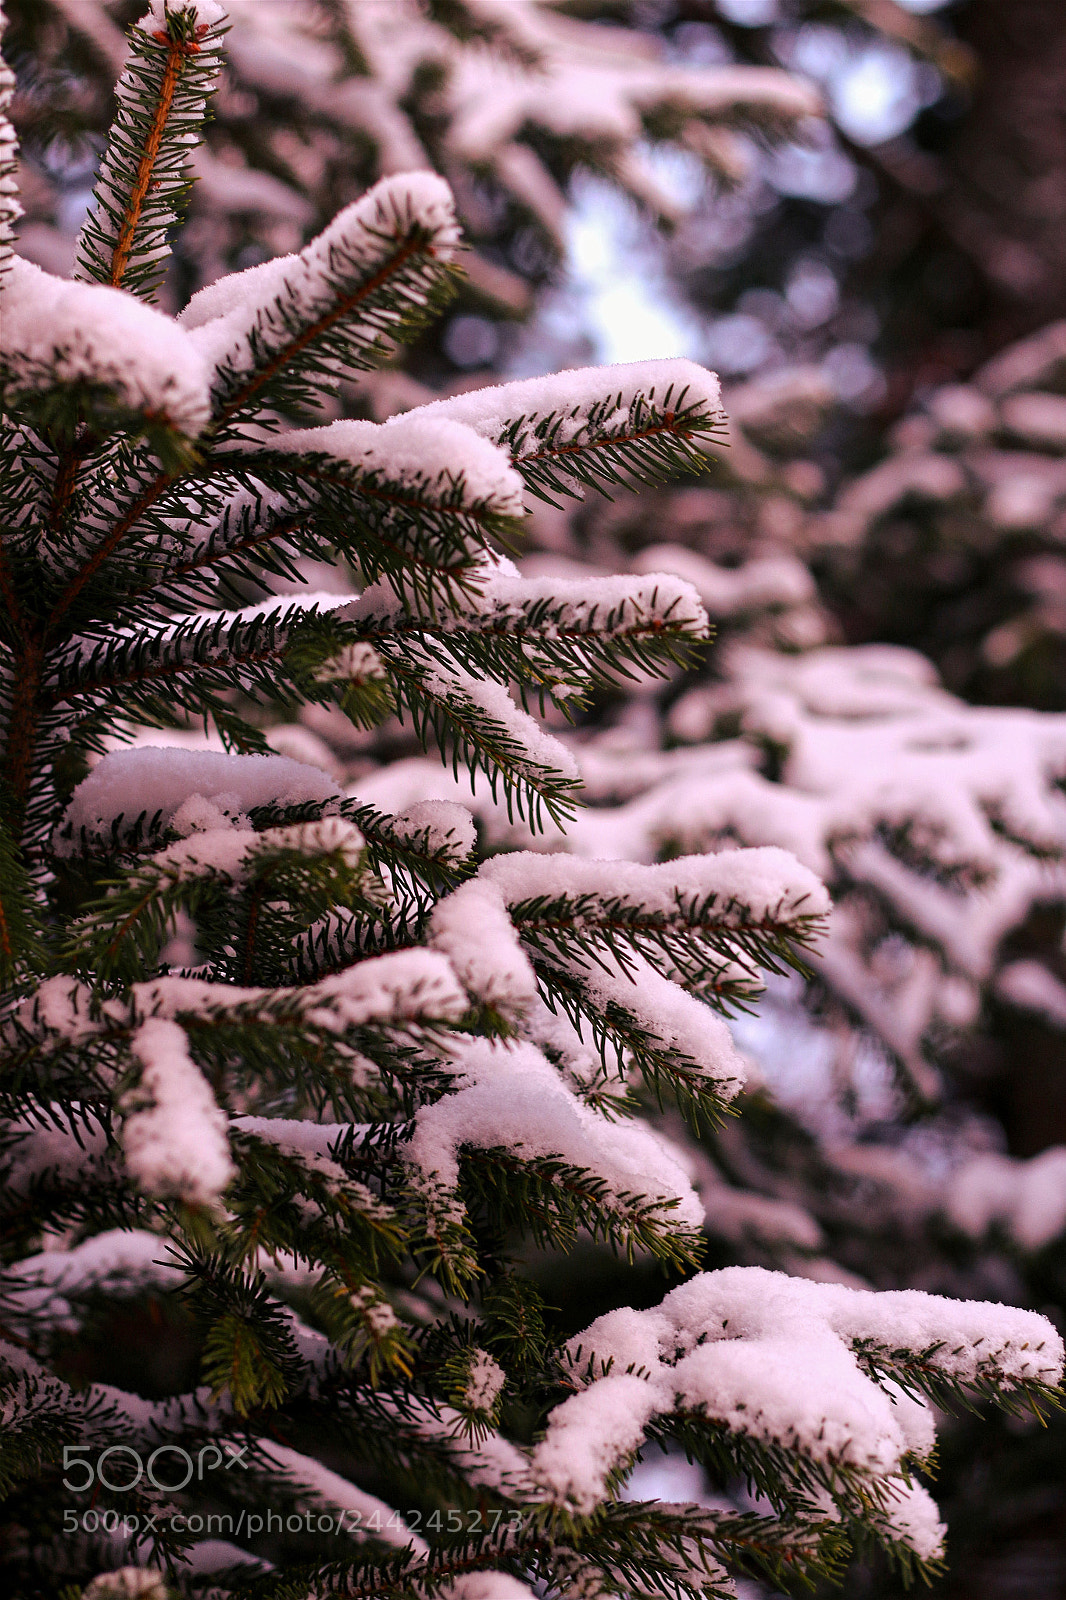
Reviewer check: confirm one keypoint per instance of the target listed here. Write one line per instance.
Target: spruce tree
(297, 1084)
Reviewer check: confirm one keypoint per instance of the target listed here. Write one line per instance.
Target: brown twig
(178, 51)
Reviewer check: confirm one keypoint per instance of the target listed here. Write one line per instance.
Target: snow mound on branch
(223, 315)
(674, 1020)
(912, 1518)
(439, 825)
(504, 598)
(45, 1290)
(56, 331)
(118, 1255)
(156, 781)
(404, 985)
(492, 411)
(779, 1359)
(472, 928)
(511, 1097)
(750, 885)
(413, 450)
(485, 1380)
(407, 983)
(176, 1143)
(128, 1583)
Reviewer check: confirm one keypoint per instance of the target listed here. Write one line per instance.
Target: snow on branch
(173, 1133)
(675, 1039)
(123, 365)
(509, 1098)
(238, 952)
(598, 427)
(568, 633)
(501, 599)
(326, 1488)
(436, 828)
(145, 175)
(474, 719)
(47, 1289)
(790, 1365)
(407, 985)
(742, 903)
(414, 501)
(411, 452)
(472, 928)
(283, 648)
(284, 330)
(154, 788)
(219, 875)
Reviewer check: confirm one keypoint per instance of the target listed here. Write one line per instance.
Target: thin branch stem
(178, 51)
(281, 358)
(160, 482)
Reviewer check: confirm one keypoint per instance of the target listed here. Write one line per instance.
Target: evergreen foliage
(297, 1085)
(325, 96)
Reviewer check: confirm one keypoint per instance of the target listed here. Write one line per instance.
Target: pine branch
(927, 1374)
(569, 433)
(551, 1200)
(273, 652)
(449, 709)
(214, 877)
(626, 1040)
(551, 646)
(655, 441)
(702, 940)
(420, 529)
(328, 313)
(369, 281)
(144, 178)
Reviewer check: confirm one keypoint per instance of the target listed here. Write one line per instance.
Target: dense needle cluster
(300, 1082)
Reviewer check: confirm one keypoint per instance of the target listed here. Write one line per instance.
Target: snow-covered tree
(298, 1083)
(505, 98)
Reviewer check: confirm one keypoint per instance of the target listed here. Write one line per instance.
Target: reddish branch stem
(178, 50)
